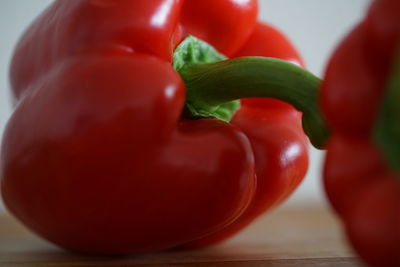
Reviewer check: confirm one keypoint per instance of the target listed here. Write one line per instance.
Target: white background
(315, 26)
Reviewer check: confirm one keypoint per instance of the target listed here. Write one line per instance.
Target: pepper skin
(96, 157)
(359, 181)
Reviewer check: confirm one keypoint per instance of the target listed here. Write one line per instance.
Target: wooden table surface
(307, 236)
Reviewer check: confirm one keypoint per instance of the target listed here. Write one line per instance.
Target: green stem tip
(387, 128)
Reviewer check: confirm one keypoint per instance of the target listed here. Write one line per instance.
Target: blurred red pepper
(360, 178)
(97, 158)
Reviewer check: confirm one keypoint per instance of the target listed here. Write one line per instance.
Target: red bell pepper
(103, 155)
(361, 173)
(273, 129)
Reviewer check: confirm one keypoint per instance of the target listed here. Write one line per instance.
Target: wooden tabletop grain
(302, 236)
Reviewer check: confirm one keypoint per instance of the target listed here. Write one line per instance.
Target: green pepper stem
(210, 85)
(387, 128)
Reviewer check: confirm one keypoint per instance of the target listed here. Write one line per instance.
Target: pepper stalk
(214, 85)
(387, 129)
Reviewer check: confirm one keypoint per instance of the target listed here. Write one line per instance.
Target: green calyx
(214, 85)
(193, 51)
(387, 128)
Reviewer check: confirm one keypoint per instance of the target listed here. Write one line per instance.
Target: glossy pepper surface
(360, 180)
(97, 157)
